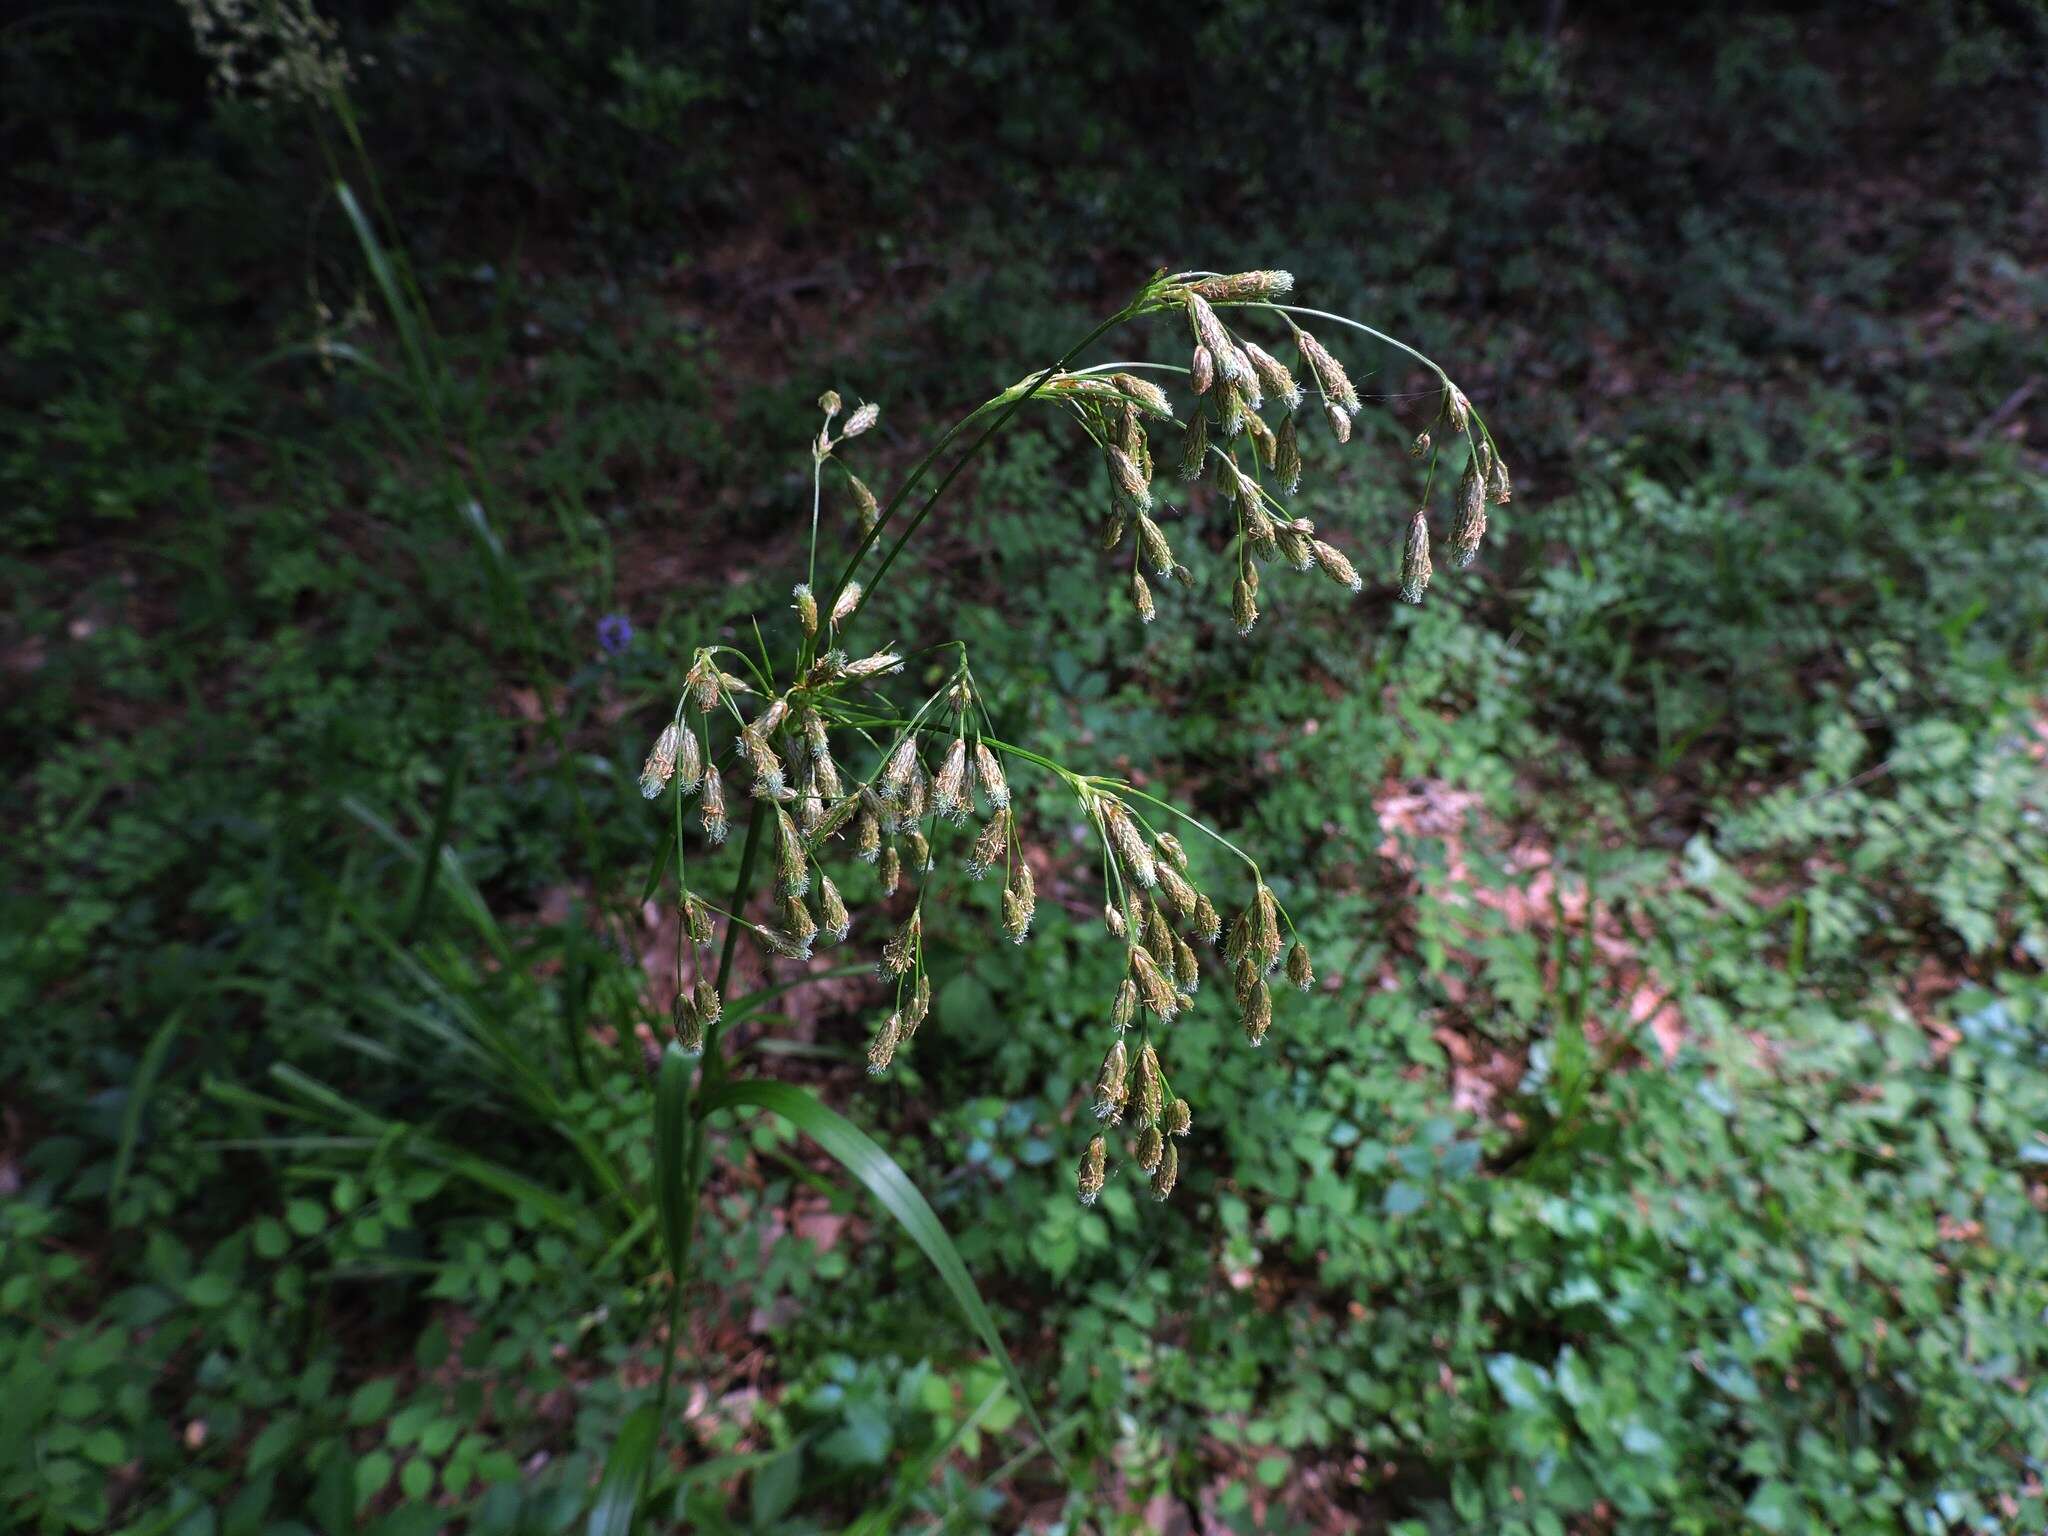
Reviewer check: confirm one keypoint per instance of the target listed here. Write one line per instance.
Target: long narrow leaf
(618, 1492)
(672, 1150)
(855, 1151)
(146, 1072)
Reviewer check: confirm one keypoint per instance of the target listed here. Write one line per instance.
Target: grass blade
(618, 1492)
(855, 1151)
(146, 1072)
(672, 1151)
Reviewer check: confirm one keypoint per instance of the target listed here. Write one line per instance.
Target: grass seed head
(1130, 481)
(690, 1024)
(1469, 528)
(713, 810)
(1180, 1118)
(1153, 543)
(1166, 1175)
(1152, 1084)
(1020, 903)
(900, 953)
(865, 506)
(1151, 1148)
(1143, 393)
(991, 846)
(1187, 969)
(660, 766)
(806, 607)
(1300, 968)
(862, 419)
(1194, 452)
(1499, 489)
(1274, 376)
(1415, 568)
(1336, 565)
(1141, 598)
(848, 600)
(1287, 456)
(1330, 376)
(1206, 924)
(792, 870)
(1268, 922)
(833, 917)
(1457, 407)
(1112, 1085)
(1242, 287)
(988, 774)
(882, 1049)
(696, 919)
(1125, 1008)
(1092, 1174)
(890, 874)
(1257, 1017)
(1244, 608)
(1154, 990)
(949, 788)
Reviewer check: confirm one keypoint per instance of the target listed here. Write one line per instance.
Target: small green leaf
(372, 1400)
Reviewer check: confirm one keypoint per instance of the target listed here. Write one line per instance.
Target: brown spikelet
(1020, 903)
(1125, 1007)
(1167, 1174)
(1092, 1174)
(1469, 528)
(1143, 393)
(882, 1049)
(1194, 445)
(1415, 569)
(867, 508)
(1273, 376)
(1112, 1085)
(1330, 376)
(988, 773)
(1257, 1016)
(1202, 369)
(1243, 287)
(1336, 565)
(1300, 969)
(1180, 1118)
(1244, 609)
(1141, 598)
(1151, 1148)
(713, 809)
(1287, 456)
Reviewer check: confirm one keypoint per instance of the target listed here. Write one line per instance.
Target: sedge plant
(831, 764)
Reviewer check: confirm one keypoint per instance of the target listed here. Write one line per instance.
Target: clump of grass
(837, 765)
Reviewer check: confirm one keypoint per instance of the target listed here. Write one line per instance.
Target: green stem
(699, 1152)
(1011, 400)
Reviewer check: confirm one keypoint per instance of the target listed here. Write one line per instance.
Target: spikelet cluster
(1254, 463)
(872, 808)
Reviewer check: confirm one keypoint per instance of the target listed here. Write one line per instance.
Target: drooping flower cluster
(1252, 463)
(834, 769)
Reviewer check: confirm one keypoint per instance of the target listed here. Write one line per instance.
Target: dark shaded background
(1753, 299)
